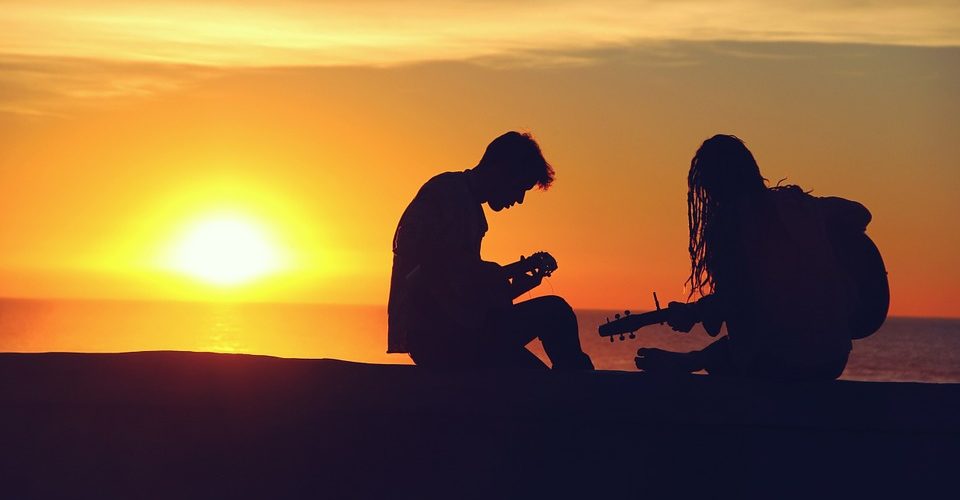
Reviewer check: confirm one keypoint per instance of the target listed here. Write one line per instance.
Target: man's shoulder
(447, 179)
(445, 185)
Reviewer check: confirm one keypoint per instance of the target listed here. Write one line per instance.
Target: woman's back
(789, 297)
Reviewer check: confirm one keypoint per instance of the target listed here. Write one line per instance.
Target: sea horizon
(906, 348)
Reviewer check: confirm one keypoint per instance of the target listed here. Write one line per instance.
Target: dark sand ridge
(174, 425)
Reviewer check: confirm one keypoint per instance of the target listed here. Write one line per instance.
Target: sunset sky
(298, 131)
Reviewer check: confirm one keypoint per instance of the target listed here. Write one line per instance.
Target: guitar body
(492, 287)
(861, 258)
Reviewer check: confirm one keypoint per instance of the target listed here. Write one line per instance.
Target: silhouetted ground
(174, 425)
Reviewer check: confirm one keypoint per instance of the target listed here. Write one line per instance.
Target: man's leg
(552, 320)
(442, 351)
(513, 357)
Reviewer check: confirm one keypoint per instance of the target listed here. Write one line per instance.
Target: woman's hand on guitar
(681, 317)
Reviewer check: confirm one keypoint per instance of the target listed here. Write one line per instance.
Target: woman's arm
(711, 311)
(708, 310)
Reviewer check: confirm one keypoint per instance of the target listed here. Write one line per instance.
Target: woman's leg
(715, 358)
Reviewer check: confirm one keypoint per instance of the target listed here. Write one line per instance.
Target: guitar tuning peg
(611, 339)
(616, 316)
(633, 335)
(608, 319)
(622, 337)
(626, 313)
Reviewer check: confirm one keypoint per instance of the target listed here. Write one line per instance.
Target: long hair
(723, 172)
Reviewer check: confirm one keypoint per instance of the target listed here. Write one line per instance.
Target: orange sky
(120, 124)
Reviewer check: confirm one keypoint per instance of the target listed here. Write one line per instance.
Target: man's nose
(520, 199)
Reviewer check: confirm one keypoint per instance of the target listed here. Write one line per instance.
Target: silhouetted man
(450, 309)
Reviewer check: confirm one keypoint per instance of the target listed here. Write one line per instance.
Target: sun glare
(225, 250)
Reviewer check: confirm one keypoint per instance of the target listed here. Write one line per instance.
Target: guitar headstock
(619, 326)
(541, 262)
(629, 324)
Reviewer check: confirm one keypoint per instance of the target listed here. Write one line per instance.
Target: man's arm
(523, 283)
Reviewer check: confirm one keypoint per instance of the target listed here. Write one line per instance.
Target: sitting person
(763, 261)
(450, 309)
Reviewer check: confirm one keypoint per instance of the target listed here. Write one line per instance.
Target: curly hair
(520, 152)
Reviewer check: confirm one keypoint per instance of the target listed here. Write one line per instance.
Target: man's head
(511, 166)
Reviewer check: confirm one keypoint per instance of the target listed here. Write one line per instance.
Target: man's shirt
(436, 245)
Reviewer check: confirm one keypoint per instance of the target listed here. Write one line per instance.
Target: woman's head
(722, 173)
(723, 169)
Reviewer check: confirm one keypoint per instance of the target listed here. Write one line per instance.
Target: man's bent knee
(559, 317)
(558, 307)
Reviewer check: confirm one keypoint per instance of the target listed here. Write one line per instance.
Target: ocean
(905, 349)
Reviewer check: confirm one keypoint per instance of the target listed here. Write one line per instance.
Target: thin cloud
(57, 54)
(52, 86)
(294, 33)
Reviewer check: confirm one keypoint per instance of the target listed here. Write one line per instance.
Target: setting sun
(225, 249)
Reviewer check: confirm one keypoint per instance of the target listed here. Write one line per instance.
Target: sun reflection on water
(224, 331)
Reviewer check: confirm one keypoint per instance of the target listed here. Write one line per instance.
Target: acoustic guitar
(857, 254)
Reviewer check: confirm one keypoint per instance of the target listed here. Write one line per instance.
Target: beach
(201, 425)
(168, 423)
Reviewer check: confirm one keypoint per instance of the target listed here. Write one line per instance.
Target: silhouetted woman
(763, 263)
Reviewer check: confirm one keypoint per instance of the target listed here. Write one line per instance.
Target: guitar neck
(539, 261)
(632, 323)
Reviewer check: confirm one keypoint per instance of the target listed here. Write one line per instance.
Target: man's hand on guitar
(542, 263)
(524, 282)
(528, 272)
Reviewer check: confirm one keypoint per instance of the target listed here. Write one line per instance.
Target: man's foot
(580, 362)
(653, 360)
